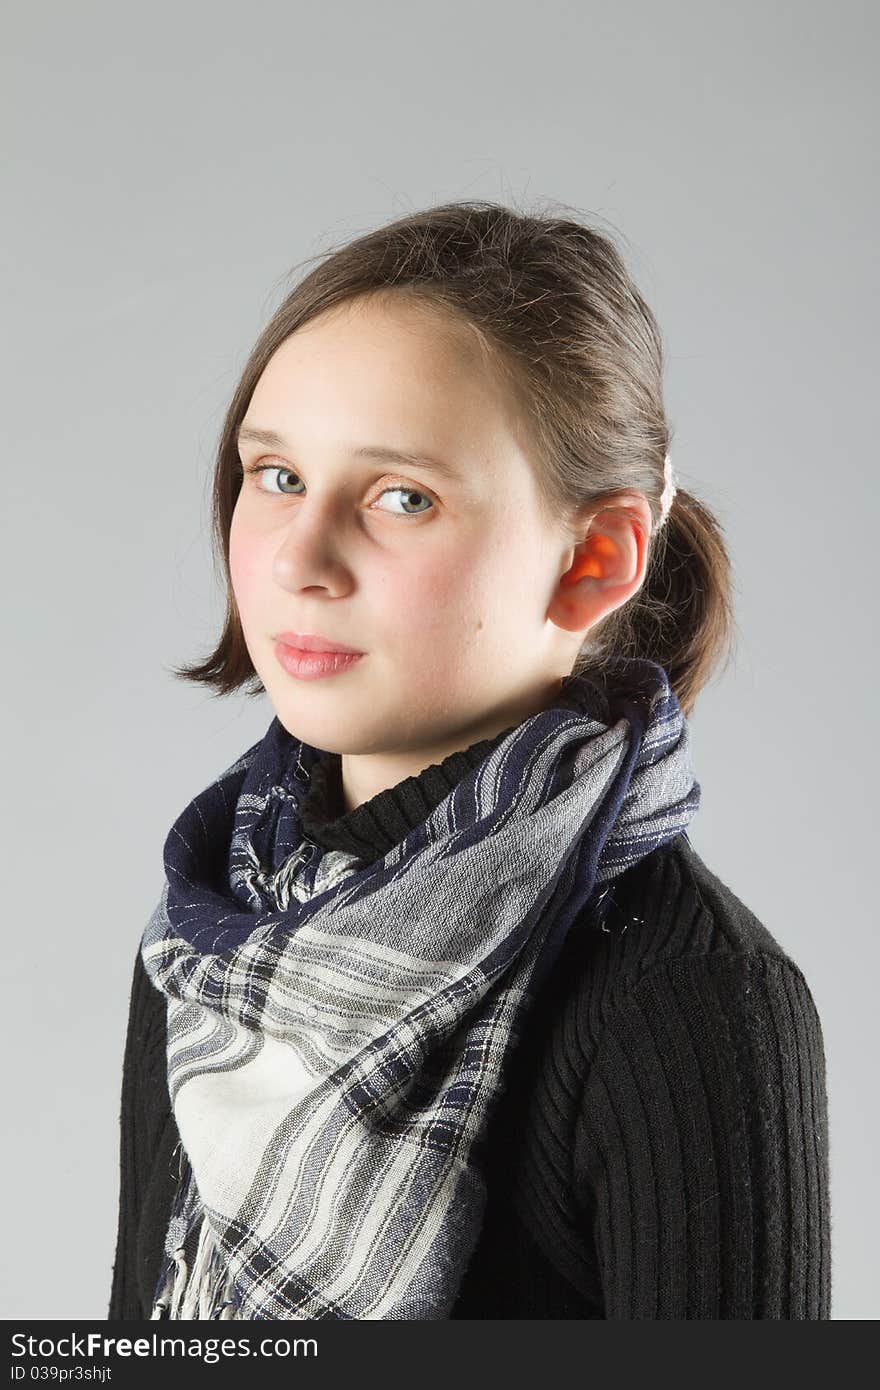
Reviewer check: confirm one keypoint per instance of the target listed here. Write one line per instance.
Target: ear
(606, 567)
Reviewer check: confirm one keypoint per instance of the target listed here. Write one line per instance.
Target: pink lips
(313, 642)
(312, 664)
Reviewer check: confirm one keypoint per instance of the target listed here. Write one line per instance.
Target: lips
(314, 642)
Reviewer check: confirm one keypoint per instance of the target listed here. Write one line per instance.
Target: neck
(364, 775)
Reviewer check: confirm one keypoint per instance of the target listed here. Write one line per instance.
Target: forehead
(371, 378)
(383, 345)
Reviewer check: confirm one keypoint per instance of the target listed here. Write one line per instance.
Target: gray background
(166, 167)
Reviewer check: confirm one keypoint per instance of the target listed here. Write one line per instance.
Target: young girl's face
(442, 578)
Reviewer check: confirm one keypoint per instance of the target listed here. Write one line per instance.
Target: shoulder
(672, 914)
(678, 942)
(687, 991)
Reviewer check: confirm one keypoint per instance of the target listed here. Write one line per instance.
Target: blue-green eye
(405, 489)
(408, 492)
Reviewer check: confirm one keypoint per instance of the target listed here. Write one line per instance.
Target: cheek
(454, 592)
(244, 561)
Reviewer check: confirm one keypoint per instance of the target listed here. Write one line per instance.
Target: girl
(440, 1014)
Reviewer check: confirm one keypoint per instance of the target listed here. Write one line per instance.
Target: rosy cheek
(244, 560)
(441, 597)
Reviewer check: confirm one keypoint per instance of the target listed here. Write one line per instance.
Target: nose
(310, 553)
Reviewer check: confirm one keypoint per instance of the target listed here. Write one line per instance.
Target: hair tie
(669, 490)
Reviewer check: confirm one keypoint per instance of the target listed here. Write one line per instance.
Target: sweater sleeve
(702, 1145)
(137, 1139)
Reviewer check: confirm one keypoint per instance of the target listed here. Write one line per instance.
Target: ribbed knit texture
(661, 1148)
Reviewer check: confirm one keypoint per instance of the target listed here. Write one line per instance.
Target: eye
(257, 468)
(404, 488)
(409, 493)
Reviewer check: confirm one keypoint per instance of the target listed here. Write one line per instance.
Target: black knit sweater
(660, 1149)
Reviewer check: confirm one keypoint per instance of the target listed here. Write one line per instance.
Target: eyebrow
(368, 451)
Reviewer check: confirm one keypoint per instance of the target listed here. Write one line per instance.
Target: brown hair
(558, 317)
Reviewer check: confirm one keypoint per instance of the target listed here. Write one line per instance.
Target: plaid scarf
(337, 1032)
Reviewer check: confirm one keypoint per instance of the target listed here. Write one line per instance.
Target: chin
(319, 728)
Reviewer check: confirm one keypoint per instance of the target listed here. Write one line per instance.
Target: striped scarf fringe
(205, 1291)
